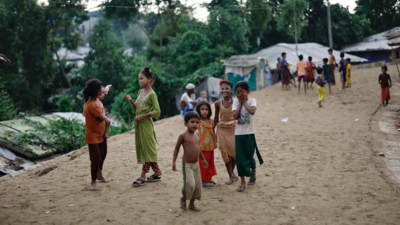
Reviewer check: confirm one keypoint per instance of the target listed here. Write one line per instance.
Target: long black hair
(242, 84)
(93, 86)
(148, 74)
(200, 104)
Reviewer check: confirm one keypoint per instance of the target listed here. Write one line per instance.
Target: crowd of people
(231, 130)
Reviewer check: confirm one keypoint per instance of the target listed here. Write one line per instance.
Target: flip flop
(252, 181)
(208, 185)
(213, 182)
(139, 182)
(154, 178)
(241, 188)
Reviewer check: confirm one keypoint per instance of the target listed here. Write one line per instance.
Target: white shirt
(245, 123)
(185, 98)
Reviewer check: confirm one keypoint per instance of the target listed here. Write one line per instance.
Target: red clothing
(207, 173)
(385, 94)
(310, 65)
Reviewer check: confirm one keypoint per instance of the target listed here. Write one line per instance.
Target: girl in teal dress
(146, 108)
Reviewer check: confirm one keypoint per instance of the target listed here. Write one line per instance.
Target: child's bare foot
(93, 186)
(102, 179)
(183, 204)
(194, 208)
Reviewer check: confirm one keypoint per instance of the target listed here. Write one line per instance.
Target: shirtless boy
(190, 161)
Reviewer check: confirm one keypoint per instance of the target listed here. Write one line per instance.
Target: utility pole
(329, 25)
(295, 27)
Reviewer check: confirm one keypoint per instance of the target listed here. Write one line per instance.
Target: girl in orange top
(207, 143)
(95, 128)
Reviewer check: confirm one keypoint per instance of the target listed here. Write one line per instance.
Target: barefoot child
(320, 86)
(386, 83)
(301, 73)
(226, 125)
(207, 143)
(327, 73)
(244, 110)
(190, 167)
(95, 128)
(146, 108)
(285, 72)
(332, 63)
(348, 73)
(310, 72)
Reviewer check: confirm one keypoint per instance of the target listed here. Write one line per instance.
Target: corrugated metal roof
(373, 43)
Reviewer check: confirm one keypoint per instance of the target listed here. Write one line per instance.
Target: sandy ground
(322, 161)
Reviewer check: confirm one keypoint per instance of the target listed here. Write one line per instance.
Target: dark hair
(93, 86)
(348, 59)
(330, 50)
(283, 53)
(279, 58)
(301, 57)
(319, 70)
(384, 67)
(190, 115)
(227, 82)
(325, 60)
(147, 73)
(243, 85)
(200, 104)
(342, 54)
(309, 58)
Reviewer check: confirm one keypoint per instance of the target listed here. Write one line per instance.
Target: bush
(8, 108)
(64, 104)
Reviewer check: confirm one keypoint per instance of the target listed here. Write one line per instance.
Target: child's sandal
(139, 182)
(252, 181)
(240, 188)
(154, 178)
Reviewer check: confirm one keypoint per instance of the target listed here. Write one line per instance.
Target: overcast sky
(201, 13)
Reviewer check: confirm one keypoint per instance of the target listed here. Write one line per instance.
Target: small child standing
(386, 83)
(342, 70)
(207, 143)
(190, 168)
(310, 72)
(244, 109)
(301, 73)
(95, 128)
(320, 86)
(348, 73)
(203, 97)
(327, 73)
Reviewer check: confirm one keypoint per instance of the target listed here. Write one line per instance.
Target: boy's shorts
(191, 181)
(342, 76)
(302, 77)
(328, 79)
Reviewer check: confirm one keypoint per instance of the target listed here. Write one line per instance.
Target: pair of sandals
(209, 184)
(252, 181)
(140, 182)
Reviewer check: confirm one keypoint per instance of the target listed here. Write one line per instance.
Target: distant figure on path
(310, 73)
(327, 73)
(188, 102)
(285, 72)
(348, 73)
(203, 97)
(190, 166)
(301, 73)
(278, 70)
(332, 62)
(320, 86)
(386, 83)
(342, 70)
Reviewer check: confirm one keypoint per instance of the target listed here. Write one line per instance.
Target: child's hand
(174, 167)
(205, 164)
(127, 97)
(139, 118)
(105, 136)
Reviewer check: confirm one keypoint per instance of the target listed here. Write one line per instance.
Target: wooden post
(395, 60)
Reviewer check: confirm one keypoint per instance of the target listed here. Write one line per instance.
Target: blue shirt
(283, 61)
(343, 66)
(327, 69)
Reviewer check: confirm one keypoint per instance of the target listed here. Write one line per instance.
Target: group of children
(234, 136)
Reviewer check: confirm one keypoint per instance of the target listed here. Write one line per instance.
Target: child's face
(226, 90)
(204, 111)
(241, 93)
(322, 72)
(101, 93)
(330, 53)
(144, 81)
(383, 71)
(203, 94)
(192, 124)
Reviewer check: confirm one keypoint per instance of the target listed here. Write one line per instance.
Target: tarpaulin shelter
(209, 85)
(247, 68)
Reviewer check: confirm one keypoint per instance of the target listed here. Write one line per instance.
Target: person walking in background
(226, 125)
(146, 108)
(188, 102)
(310, 73)
(348, 73)
(342, 71)
(278, 70)
(327, 73)
(301, 73)
(332, 63)
(386, 83)
(320, 86)
(285, 72)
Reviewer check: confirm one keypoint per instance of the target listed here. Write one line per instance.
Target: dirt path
(322, 161)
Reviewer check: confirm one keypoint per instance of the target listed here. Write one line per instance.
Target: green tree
(64, 104)
(8, 109)
(383, 15)
(291, 18)
(258, 16)
(135, 38)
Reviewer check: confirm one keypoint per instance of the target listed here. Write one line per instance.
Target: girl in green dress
(146, 108)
